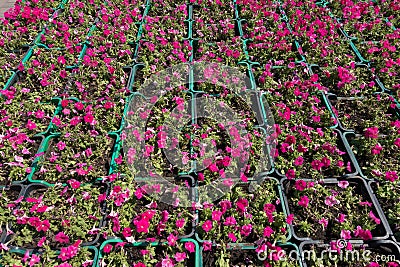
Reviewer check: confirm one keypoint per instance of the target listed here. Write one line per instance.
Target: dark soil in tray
(134, 254)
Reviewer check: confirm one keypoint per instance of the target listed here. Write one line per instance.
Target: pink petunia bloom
(242, 204)
(74, 183)
(30, 125)
(41, 242)
(374, 218)
(34, 259)
(290, 174)
(331, 200)
(44, 226)
(376, 150)
(180, 256)
(246, 229)
(268, 231)
(107, 248)
(180, 223)
(230, 221)
(62, 238)
(142, 226)
(304, 201)
(364, 234)
(127, 232)
(300, 185)
(216, 215)
(172, 240)
(345, 234)
(232, 237)
(298, 161)
(190, 246)
(290, 218)
(397, 142)
(324, 222)
(343, 184)
(213, 167)
(391, 176)
(61, 60)
(207, 245)
(342, 218)
(207, 226)
(372, 132)
(88, 118)
(61, 145)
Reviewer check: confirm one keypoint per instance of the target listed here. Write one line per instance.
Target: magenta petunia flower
(172, 239)
(324, 222)
(230, 221)
(142, 226)
(345, 234)
(298, 161)
(391, 176)
(216, 215)
(61, 238)
(372, 132)
(304, 200)
(207, 226)
(180, 256)
(232, 237)
(343, 184)
(190, 246)
(300, 185)
(374, 218)
(268, 231)
(330, 201)
(107, 248)
(207, 245)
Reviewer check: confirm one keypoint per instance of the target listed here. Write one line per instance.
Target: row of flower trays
(301, 201)
(117, 251)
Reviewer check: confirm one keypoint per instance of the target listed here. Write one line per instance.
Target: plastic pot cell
(388, 197)
(8, 197)
(374, 155)
(315, 207)
(86, 256)
(242, 255)
(166, 219)
(120, 252)
(213, 231)
(15, 174)
(103, 164)
(27, 236)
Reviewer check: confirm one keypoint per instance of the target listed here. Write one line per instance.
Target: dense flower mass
(308, 158)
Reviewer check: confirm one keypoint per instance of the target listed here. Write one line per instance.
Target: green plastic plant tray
(45, 145)
(257, 180)
(22, 251)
